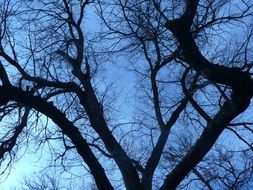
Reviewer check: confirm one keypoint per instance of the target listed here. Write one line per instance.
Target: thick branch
(214, 128)
(97, 121)
(216, 73)
(67, 127)
(239, 81)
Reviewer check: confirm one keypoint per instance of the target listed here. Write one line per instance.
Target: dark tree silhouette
(190, 125)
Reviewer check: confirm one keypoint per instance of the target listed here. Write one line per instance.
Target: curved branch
(181, 29)
(241, 84)
(67, 127)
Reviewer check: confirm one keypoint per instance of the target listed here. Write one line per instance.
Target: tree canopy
(129, 94)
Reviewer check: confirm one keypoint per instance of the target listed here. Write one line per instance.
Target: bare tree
(192, 59)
